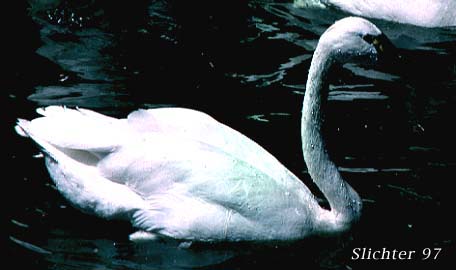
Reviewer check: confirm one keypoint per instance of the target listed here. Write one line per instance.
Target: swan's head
(354, 39)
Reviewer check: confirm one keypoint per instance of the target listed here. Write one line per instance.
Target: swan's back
(99, 135)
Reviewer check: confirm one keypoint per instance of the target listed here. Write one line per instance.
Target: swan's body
(427, 13)
(179, 173)
(174, 172)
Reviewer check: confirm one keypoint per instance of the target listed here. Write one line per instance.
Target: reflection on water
(113, 255)
(80, 94)
(389, 131)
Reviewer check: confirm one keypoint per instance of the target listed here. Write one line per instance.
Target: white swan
(426, 13)
(179, 173)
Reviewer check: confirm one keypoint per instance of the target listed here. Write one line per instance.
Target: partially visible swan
(426, 13)
(179, 173)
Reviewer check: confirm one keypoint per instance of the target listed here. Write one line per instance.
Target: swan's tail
(24, 128)
(76, 129)
(72, 142)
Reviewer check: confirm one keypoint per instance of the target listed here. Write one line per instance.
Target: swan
(178, 173)
(425, 13)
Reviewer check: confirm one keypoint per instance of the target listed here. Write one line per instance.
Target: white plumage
(427, 13)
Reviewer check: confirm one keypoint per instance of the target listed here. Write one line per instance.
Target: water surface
(246, 64)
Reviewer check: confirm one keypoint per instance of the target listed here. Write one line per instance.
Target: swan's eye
(368, 38)
(374, 40)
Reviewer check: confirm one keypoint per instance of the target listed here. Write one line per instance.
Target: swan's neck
(344, 201)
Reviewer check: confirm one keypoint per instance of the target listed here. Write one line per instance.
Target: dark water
(246, 64)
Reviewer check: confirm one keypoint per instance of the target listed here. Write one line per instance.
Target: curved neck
(344, 201)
